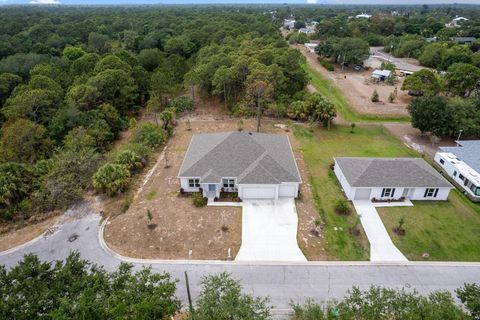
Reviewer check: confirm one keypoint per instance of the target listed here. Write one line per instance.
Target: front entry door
(211, 188)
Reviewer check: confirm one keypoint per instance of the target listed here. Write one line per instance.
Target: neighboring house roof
(381, 73)
(468, 151)
(390, 172)
(464, 39)
(252, 158)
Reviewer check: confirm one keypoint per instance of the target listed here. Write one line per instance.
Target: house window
(441, 161)
(431, 192)
(194, 183)
(454, 173)
(228, 183)
(388, 192)
(461, 176)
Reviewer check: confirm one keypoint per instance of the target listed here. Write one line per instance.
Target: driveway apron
(269, 232)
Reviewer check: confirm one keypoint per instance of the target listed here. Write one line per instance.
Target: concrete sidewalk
(382, 248)
(269, 232)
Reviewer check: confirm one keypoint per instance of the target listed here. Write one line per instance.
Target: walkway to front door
(382, 248)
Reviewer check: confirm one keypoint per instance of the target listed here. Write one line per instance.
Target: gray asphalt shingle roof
(390, 172)
(252, 158)
(468, 152)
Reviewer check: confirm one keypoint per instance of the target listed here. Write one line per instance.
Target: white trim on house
(467, 178)
(379, 193)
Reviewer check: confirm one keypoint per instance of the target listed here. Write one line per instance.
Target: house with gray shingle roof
(390, 179)
(462, 165)
(256, 165)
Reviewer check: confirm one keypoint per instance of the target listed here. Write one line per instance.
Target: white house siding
(416, 194)
(185, 186)
(349, 191)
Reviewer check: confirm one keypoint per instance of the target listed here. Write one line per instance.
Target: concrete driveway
(269, 232)
(382, 248)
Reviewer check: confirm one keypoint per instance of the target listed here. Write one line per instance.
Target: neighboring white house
(390, 179)
(306, 30)
(256, 165)
(311, 46)
(363, 15)
(456, 22)
(381, 75)
(462, 164)
(289, 24)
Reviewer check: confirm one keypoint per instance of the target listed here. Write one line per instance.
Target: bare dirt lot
(183, 231)
(356, 86)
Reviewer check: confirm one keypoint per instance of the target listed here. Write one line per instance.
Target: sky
(119, 2)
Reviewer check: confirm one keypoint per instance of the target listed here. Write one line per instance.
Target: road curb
(116, 255)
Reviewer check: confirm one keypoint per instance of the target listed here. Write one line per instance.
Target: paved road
(282, 282)
(382, 248)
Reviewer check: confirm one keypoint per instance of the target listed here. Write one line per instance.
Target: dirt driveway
(359, 91)
(185, 232)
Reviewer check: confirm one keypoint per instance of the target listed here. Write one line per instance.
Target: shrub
(342, 207)
(298, 110)
(129, 159)
(327, 65)
(111, 178)
(150, 135)
(199, 200)
(183, 104)
(375, 96)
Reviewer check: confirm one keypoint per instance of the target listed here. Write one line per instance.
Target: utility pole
(190, 305)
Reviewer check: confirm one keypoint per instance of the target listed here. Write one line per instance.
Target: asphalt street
(282, 282)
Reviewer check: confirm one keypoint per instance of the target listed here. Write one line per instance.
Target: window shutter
(436, 192)
(393, 192)
(425, 195)
(383, 192)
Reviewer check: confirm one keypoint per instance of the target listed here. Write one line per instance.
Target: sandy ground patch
(414, 139)
(21, 235)
(183, 231)
(359, 91)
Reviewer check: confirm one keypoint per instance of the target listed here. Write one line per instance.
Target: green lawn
(344, 109)
(445, 230)
(318, 149)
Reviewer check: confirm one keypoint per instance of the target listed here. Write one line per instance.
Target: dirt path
(410, 136)
(358, 90)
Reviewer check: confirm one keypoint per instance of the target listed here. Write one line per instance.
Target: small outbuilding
(390, 179)
(381, 75)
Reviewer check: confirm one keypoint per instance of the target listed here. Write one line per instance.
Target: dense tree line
(78, 289)
(72, 78)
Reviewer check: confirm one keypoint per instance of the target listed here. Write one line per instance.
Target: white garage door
(286, 191)
(258, 193)
(363, 194)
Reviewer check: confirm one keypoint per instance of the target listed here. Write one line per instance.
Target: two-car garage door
(363, 194)
(268, 192)
(258, 193)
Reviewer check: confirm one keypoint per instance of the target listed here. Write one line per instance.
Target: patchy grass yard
(329, 89)
(318, 150)
(445, 230)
